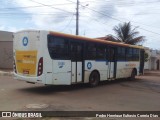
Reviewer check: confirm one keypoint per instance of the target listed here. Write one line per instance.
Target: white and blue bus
(54, 58)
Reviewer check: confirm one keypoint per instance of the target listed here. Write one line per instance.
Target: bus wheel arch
(94, 78)
(133, 74)
(135, 70)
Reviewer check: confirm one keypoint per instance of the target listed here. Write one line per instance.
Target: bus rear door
(141, 61)
(76, 61)
(112, 63)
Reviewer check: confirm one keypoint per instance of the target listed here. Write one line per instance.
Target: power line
(96, 20)
(107, 24)
(114, 18)
(97, 11)
(67, 24)
(32, 14)
(121, 3)
(51, 6)
(148, 31)
(138, 3)
(90, 1)
(26, 7)
(138, 22)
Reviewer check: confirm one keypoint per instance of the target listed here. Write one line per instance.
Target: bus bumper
(40, 79)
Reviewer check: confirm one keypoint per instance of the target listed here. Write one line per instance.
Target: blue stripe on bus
(101, 60)
(116, 61)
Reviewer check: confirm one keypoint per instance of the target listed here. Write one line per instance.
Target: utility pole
(77, 18)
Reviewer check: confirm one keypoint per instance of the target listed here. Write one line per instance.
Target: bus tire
(133, 75)
(94, 79)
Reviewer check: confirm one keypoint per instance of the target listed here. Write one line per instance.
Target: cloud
(105, 10)
(58, 16)
(11, 29)
(92, 23)
(46, 16)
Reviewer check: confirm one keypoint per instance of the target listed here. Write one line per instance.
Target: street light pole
(77, 18)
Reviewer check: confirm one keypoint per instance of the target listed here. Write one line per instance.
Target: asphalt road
(142, 94)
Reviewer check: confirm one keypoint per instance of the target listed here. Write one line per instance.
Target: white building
(153, 62)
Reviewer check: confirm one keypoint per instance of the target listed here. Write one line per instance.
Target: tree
(124, 33)
(109, 38)
(146, 57)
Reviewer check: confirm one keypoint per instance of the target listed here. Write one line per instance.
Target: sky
(97, 17)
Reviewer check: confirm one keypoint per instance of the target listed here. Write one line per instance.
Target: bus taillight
(14, 66)
(40, 66)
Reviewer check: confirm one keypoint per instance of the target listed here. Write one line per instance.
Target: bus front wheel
(94, 79)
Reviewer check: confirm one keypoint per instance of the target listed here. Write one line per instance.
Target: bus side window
(136, 54)
(129, 53)
(76, 51)
(121, 54)
(101, 52)
(73, 51)
(58, 47)
(91, 51)
(111, 54)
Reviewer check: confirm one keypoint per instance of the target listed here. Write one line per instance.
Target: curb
(2, 73)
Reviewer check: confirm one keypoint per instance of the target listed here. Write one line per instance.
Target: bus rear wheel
(133, 74)
(94, 79)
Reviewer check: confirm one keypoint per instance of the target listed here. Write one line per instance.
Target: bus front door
(111, 63)
(76, 61)
(141, 61)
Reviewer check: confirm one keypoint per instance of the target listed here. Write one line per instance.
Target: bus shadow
(52, 89)
(117, 81)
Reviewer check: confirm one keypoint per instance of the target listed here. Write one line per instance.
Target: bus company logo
(6, 114)
(21, 114)
(61, 64)
(130, 65)
(25, 41)
(89, 65)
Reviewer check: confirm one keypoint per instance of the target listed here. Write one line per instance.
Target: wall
(154, 55)
(6, 50)
(147, 65)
